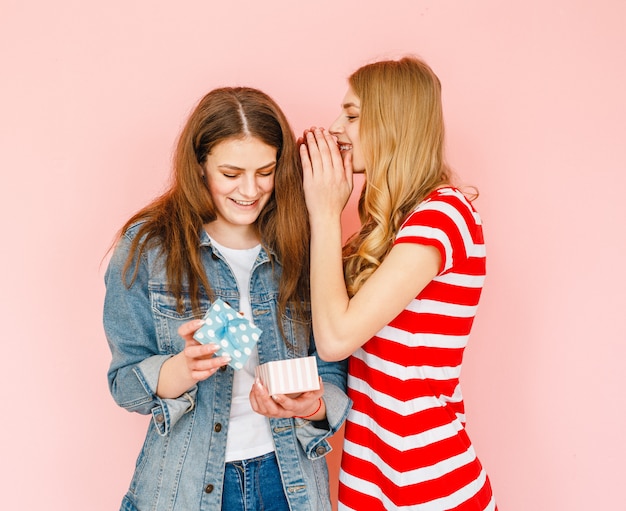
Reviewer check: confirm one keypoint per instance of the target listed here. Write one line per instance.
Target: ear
(204, 180)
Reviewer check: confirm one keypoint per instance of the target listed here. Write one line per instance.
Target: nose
(336, 127)
(248, 185)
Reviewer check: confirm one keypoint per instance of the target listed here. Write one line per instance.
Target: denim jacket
(181, 464)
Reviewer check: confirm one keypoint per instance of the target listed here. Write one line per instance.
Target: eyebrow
(234, 167)
(348, 105)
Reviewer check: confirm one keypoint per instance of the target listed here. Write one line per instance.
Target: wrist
(311, 415)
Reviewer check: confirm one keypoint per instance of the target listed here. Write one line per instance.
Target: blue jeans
(254, 485)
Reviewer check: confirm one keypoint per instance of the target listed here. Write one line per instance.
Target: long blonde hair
(402, 135)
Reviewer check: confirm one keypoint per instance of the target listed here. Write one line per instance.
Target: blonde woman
(414, 273)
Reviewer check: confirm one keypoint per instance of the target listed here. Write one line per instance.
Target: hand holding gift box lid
(231, 331)
(291, 376)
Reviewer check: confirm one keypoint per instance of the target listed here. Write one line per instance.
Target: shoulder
(137, 239)
(443, 208)
(446, 220)
(133, 230)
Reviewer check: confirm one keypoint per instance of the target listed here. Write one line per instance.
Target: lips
(244, 202)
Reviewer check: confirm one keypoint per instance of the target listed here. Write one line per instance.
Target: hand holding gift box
(234, 334)
(291, 376)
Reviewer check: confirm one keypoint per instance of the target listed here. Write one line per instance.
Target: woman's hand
(195, 363)
(308, 404)
(327, 177)
(199, 358)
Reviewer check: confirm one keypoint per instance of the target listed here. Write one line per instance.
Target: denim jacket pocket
(168, 318)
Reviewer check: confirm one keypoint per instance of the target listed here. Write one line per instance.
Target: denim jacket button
(218, 427)
(209, 488)
(321, 450)
(159, 418)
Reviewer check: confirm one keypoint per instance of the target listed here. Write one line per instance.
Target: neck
(237, 237)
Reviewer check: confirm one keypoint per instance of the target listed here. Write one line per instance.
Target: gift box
(291, 376)
(231, 331)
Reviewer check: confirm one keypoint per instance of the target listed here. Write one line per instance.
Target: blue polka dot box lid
(234, 334)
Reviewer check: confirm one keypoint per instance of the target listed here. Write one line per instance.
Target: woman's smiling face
(240, 177)
(346, 130)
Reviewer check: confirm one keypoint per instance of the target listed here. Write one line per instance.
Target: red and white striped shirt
(405, 445)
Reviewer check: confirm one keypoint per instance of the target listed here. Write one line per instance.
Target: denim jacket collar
(264, 255)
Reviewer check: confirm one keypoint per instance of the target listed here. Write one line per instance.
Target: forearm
(329, 298)
(327, 184)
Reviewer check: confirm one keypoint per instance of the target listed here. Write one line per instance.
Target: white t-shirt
(249, 433)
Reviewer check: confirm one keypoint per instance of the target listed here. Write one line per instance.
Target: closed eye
(264, 171)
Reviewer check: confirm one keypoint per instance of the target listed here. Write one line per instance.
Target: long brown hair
(174, 221)
(402, 135)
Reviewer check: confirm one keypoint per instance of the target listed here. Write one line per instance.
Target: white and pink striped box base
(291, 376)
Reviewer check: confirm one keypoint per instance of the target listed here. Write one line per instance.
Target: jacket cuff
(314, 440)
(166, 412)
(169, 411)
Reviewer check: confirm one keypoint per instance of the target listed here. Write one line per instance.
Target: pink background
(93, 96)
